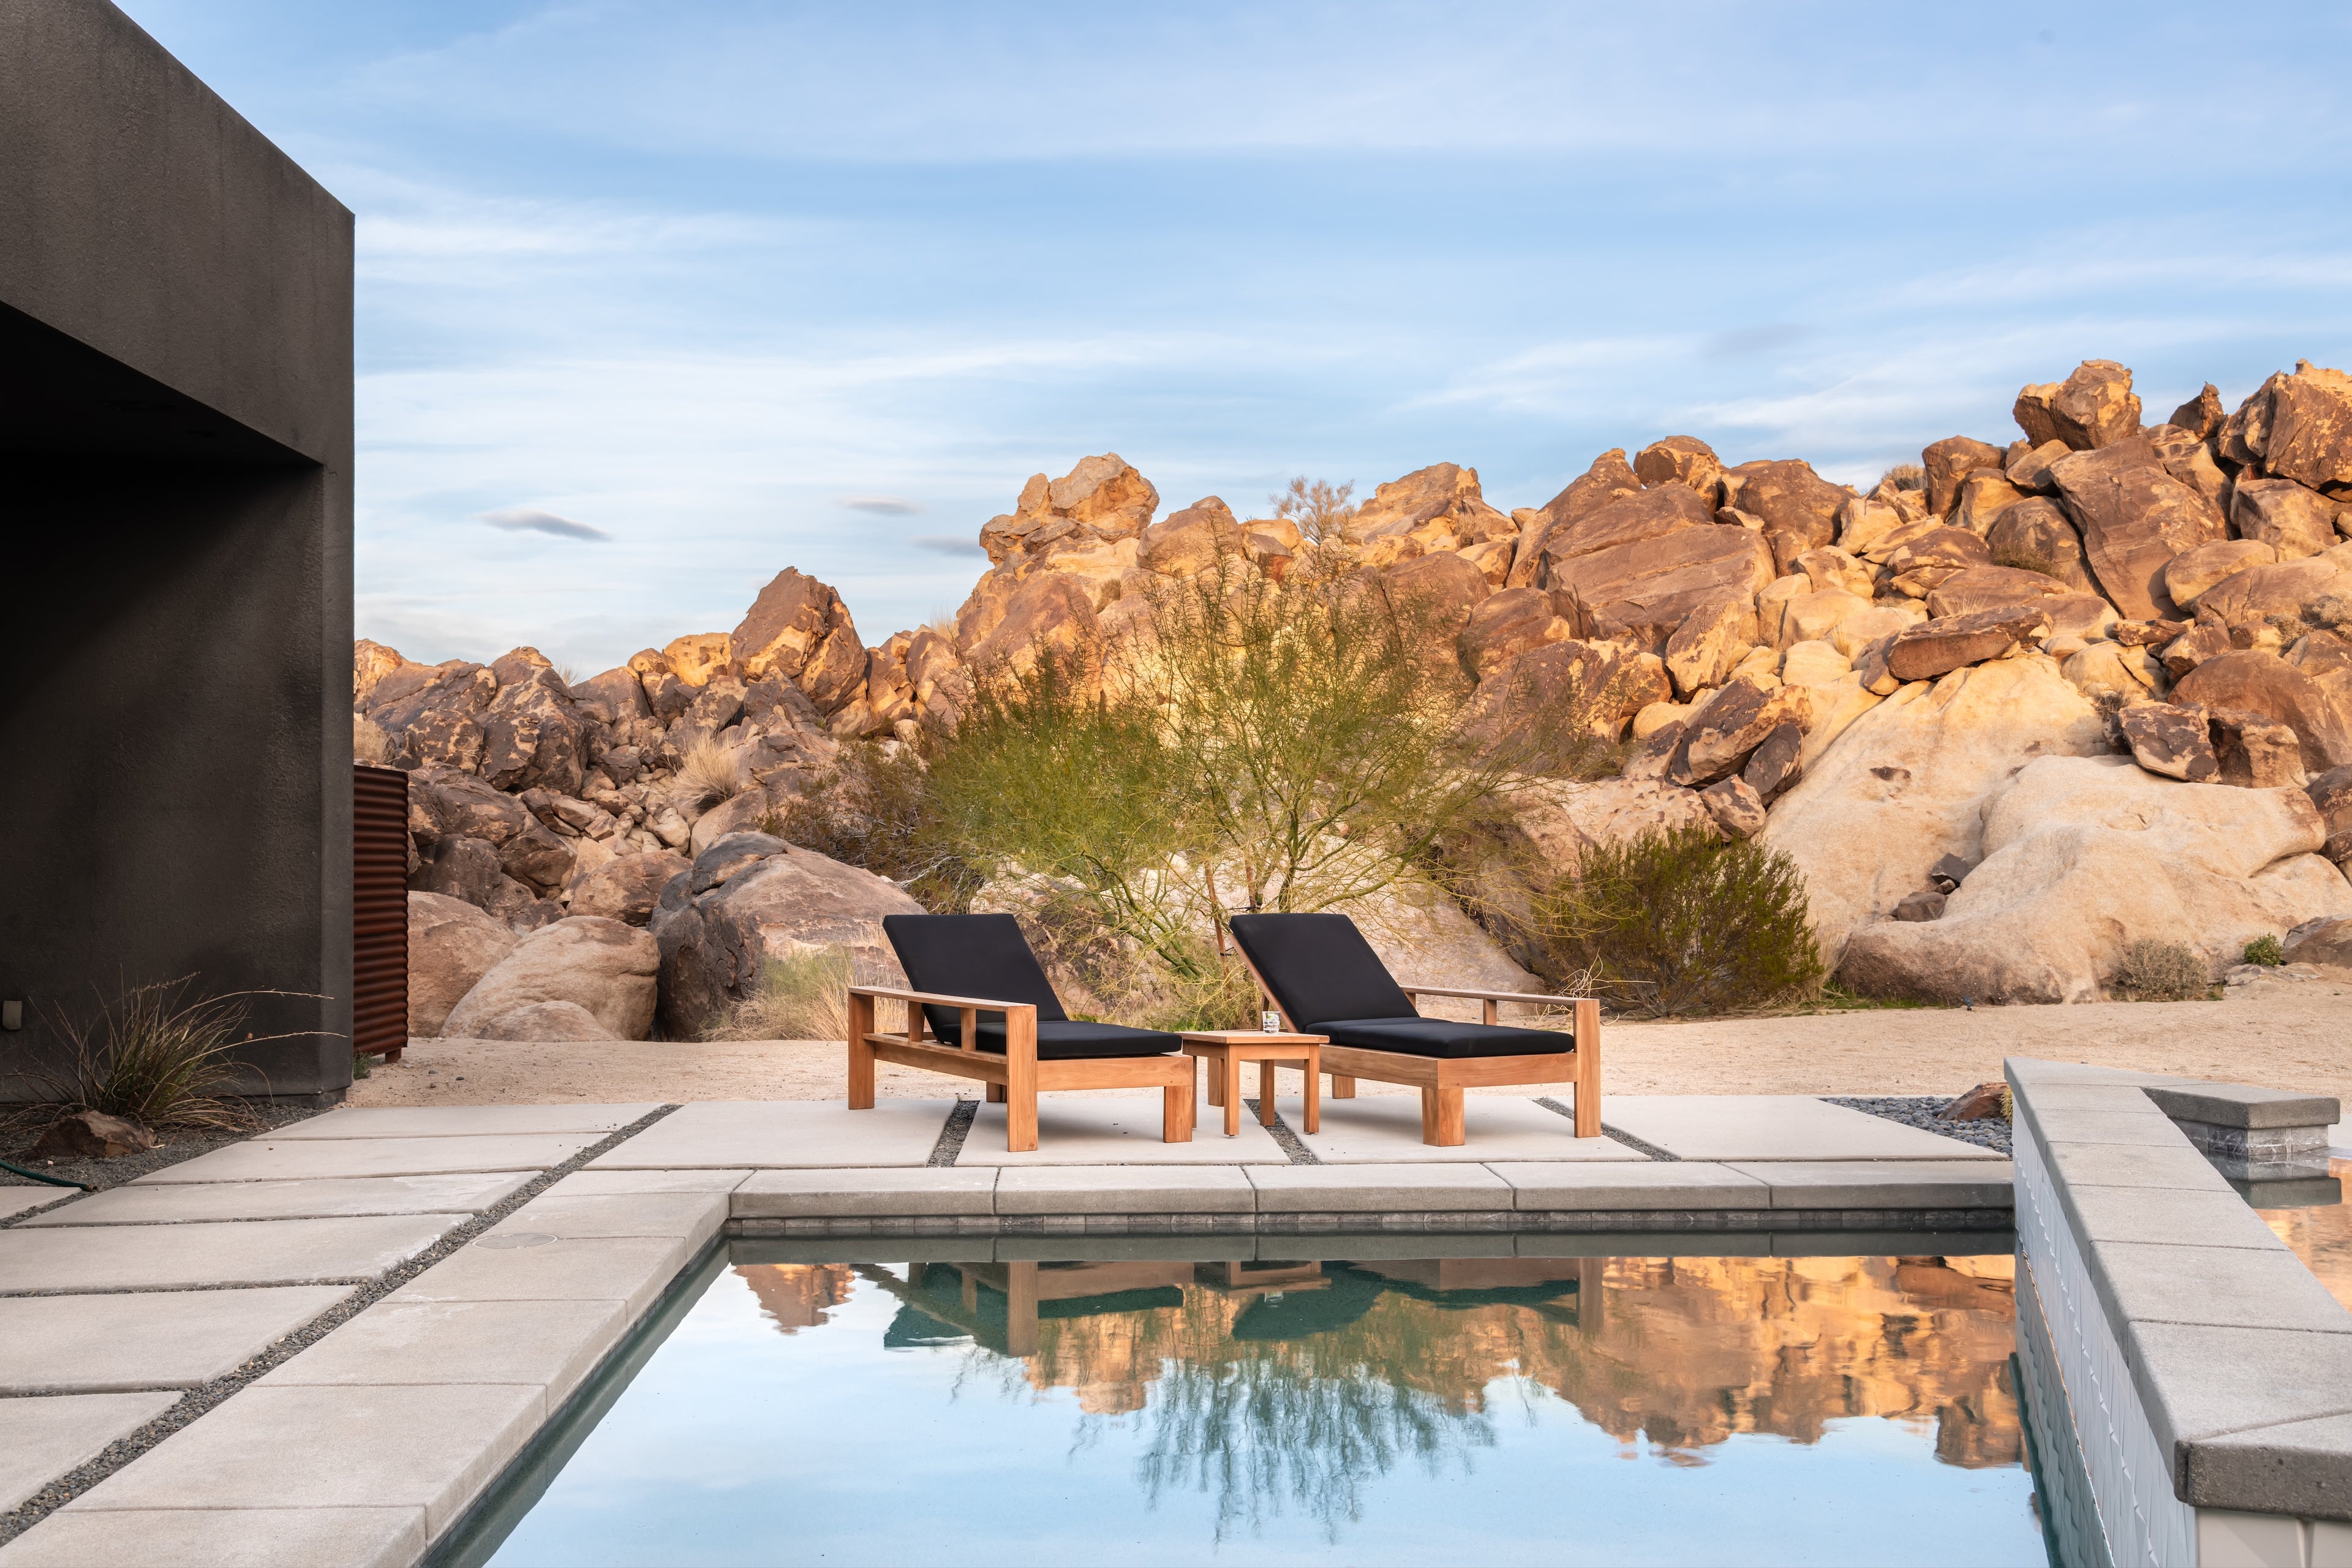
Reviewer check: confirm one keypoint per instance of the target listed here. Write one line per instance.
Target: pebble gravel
(1920, 1112)
(177, 1143)
(198, 1400)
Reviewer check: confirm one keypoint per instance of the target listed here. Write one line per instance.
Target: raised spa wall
(2188, 1382)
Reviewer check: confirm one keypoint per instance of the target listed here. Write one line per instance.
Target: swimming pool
(1339, 1408)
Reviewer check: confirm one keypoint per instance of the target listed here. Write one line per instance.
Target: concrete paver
(893, 1191)
(692, 1218)
(633, 1269)
(265, 1252)
(603, 1184)
(1335, 1189)
(42, 1439)
(464, 1120)
(428, 1448)
(1114, 1130)
(554, 1344)
(1882, 1184)
(326, 1199)
(783, 1133)
(224, 1538)
(2135, 1166)
(271, 1159)
(1647, 1185)
(1774, 1127)
(176, 1339)
(1125, 1189)
(2183, 1219)
(2146, 1127)
(2225, 1286)
(1387, 1128)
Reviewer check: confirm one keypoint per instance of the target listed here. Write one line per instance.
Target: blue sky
(747, 286)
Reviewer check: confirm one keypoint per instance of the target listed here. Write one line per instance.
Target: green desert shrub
(157, 1055)
(2266, 952)
(2152, 971)
(1682, 923)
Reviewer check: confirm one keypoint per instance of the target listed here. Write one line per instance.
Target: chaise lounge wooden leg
(1342, 1087)
(1176, 1113)
(1441, 1116)
(1588, 1069)
(861, 1054)
(995, 1094)
(1021, 1307)
(1265, 1094)
(1229, 1094)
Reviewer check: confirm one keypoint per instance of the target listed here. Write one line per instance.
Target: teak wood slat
(1441, 1080)
(1015, 1078)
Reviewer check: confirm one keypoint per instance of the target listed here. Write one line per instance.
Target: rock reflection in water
(1299, 1385)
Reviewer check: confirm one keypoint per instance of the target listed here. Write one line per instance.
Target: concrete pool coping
(2206, 1373)
(372, 1443)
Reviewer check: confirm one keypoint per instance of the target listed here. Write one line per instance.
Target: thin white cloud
(531, 520)
(885, 506)
(946, 544)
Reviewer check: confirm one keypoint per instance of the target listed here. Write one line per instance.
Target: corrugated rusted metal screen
(379, 910)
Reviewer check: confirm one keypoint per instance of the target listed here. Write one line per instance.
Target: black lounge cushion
(986, 956)
(1329, 980)
(1319, 967)
(1443, 1038)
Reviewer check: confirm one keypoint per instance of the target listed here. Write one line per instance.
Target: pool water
(2321, 1234)
(1323, 1409)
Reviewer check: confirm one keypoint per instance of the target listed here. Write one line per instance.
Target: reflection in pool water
(2321, 1234)
(1657, 1410)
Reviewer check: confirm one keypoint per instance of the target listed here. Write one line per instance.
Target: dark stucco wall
(176, 475)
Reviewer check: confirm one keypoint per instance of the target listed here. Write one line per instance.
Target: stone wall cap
(2244, 1104)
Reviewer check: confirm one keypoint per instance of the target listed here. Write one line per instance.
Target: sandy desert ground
(2297, 1036)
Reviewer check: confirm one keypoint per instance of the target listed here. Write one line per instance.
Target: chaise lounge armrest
(936, 999)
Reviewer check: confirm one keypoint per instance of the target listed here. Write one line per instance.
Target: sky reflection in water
(1513, 1410)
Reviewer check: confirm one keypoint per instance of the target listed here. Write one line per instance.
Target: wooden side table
(1225, 1049)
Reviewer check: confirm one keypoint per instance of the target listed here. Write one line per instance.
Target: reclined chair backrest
(970, 955)
(1319, 967)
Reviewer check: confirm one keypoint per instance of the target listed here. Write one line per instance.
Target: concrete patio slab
(1884, 1183)
(1773, 1127)
(2183, 1219)
(784, 1134)
(691, 1217)
(2147, 1127)
(554, 1344)
(264, 1252)
(631, 1269)
(1386, 1129)
(1125, 1189)
(1645, 1185)
(42, 1439)
(224, 1538)
(428, 1448)
(464, 1120)
(604, 1184)
(2225, 1287)
(1355, 1189)
(842, 1194)
(177, 1339)
(333, 1199)
(269, 1159)
(14, 1201)
(1114, 1130)
(2133, 1166)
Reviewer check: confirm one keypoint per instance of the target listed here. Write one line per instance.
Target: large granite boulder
(1555, 823)
(1439, 507)
(1101, 501)
(1628, 520)
(1685, 460)
(1978, 588)
(615, 697)
(1642, 591)
(602, 966)
(751, 895)
(451, 946)
(2249, 598)
(1907, 782)
(1600, 684)
(1441, 590)
(2135, 517)
(2094, 407)
(2294, 520)
(1051, 611)
(1506, 624)
(1789, 498)
(2267, 684)
(799, 629)
(434, 715)
(2190, 574)
(1192, 539)
(2296, 426)
(1720, 736)
(2081, 855)
(1947, 462)
(626, 887)
(1940, 646)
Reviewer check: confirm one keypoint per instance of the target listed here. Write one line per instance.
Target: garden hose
(35, 1175)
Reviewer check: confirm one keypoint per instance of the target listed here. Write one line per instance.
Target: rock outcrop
(599, 968)
(451, 946)
(2082, 855)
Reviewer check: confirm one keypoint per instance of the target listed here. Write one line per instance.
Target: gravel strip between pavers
(1614, 1135)
(1284, 1138)
(182, 1144)
(198, 1400)
(951, 1136)
(1920, 1112)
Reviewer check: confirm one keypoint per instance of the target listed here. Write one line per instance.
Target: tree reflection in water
(1271, 1386)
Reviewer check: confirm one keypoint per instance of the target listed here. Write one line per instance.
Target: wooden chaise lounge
(979, 1007)
(1322, 975)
